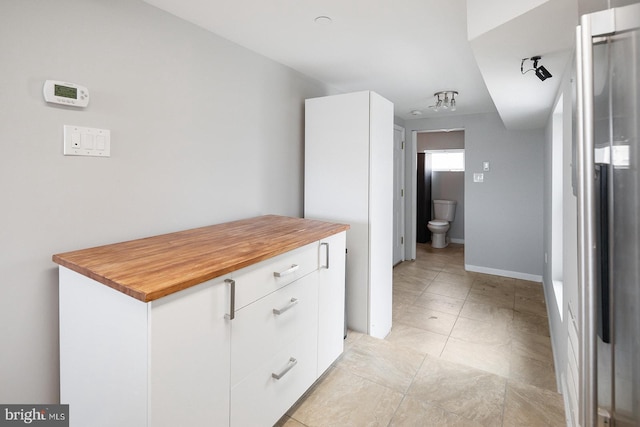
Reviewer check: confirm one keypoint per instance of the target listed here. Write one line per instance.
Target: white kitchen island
(222, 325)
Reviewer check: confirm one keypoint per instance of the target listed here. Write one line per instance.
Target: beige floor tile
(466, 392)
(531, 305)
(287, 421)
(382, 362)
(342, 398)
(435, 261)
(430, 320)
(453, 290)
(418, 270)
(494, 288)
(454, 278)
(417, 413)
(490, 278)
(399, 309)
(411, 284)
(493, 358)
(529, 406)
(440, 303)
(405, 295)
(533, 346)
(417, 339)
(442, 365)
(458, 268)
(352, 337)
(529, 289)
(477, 331)
(496, 299)
(487, 313)
(533, 372)
(530, 323)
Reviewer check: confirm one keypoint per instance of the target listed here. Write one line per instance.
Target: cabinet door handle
(327, 246)
(232, 305)
(293, 302)
(292, 362)
(290, 270)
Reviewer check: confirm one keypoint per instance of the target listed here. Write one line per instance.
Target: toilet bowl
(444, 212)
(438, 230)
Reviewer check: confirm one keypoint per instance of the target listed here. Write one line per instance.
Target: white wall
(202, 131)
(503, 216)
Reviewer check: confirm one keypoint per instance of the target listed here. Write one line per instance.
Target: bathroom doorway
(440, 175)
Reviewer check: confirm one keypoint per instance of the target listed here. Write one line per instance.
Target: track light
(540, 71)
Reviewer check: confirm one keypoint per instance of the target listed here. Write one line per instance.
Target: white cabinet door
(331, 291)
(190, 359)
(103, 354)
(349, 179)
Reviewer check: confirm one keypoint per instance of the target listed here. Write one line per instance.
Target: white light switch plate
(82, 141)
(478, 177)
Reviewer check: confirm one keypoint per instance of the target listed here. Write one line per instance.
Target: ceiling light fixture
(542, 73)
(445, 100)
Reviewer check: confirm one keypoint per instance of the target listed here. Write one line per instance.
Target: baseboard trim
(461, 241)
(504, 273)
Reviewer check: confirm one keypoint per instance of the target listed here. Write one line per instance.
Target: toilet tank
(444, 209)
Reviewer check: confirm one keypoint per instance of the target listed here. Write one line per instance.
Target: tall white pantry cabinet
(349, 178)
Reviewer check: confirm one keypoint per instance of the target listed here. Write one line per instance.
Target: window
(446, 160)
(557, 177)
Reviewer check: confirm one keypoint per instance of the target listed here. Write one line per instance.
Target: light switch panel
(478, 177)
(485, 166)
(83, 141)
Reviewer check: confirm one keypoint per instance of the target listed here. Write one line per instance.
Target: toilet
(444, 211)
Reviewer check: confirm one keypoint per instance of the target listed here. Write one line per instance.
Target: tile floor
(466, 349)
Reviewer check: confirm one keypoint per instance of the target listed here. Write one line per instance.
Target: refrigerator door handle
(602, 253)
(586, 224)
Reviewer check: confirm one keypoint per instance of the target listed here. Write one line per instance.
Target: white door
(398, 194)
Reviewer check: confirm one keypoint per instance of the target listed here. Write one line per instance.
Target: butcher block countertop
(153, 267)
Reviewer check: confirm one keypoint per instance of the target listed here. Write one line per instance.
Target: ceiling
(408, 49)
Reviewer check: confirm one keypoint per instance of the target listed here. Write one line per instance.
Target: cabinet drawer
(254, 282)
(258, 332)
(260, 399)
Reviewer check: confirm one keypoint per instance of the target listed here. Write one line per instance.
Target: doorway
(439, 175)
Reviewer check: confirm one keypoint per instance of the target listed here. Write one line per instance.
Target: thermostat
(70, 94)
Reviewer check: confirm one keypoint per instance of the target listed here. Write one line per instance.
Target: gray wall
(504, 215)
(440, 140)
(202, 131)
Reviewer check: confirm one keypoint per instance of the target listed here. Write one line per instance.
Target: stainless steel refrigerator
(608, 158)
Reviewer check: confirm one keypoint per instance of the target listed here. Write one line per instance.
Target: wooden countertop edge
(185, 284)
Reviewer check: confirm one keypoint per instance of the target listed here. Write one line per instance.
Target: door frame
(399, 239)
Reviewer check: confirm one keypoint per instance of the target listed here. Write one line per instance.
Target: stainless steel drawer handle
(326, 245)
(292, 362)
(279, 311)
(232, 299)
(290, 270)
